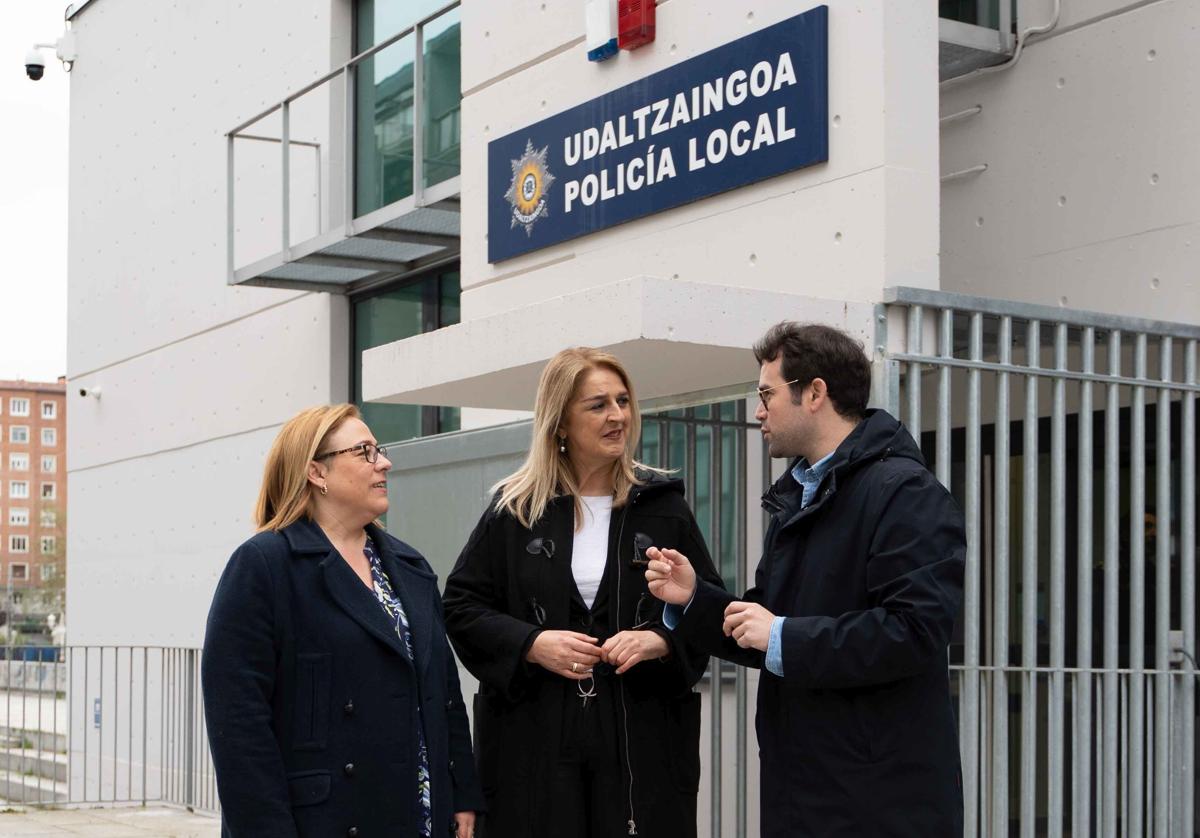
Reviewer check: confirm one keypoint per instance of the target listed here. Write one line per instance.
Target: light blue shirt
(809, 478)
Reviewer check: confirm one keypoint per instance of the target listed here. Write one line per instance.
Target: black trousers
(589, 786)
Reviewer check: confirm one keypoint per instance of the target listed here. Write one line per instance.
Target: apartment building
(33, 485)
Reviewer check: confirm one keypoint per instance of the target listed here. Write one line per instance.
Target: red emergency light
(635, 23)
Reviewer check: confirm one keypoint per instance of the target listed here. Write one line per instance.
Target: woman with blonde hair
(586, 721)
(332, 699)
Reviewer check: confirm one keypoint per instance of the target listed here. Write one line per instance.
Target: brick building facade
(33, 484)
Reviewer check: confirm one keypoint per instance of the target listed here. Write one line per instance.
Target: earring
(324, 490)
(562, 445)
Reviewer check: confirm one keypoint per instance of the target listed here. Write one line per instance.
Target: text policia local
(667, 114)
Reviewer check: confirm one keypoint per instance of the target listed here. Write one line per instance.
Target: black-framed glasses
(764, 393)
(370, 451)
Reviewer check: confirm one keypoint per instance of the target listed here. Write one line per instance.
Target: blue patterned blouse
(395, 611)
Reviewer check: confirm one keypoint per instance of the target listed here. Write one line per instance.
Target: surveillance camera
(35, 65)
(94, 392)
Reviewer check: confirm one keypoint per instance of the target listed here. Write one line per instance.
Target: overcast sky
(33, 196)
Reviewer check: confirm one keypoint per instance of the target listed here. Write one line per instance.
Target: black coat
(859, 736)
(312, 704)
(500, 595)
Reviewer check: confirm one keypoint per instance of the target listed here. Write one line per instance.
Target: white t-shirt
(589, 551)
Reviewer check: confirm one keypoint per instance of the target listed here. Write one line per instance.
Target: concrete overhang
(675, 337)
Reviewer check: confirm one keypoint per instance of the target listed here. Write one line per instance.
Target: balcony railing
(302, 151)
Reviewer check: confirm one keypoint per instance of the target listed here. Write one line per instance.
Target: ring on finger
(574, 667)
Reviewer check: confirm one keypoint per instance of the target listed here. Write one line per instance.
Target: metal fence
(1069, 438)
(104, 725)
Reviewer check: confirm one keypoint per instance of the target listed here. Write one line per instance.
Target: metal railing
(1098, 678)
(341, 186)
(104, 725)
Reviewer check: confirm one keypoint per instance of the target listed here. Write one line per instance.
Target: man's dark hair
(812, 350)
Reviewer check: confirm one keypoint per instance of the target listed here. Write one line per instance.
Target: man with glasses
(852, 609)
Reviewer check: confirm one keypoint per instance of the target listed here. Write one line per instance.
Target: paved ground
(149, 822)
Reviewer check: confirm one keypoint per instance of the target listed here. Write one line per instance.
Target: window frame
(52, 486)
(47, 518)
(52, 540)
(52, 442)
(13, 548)
(433, 311)
(15, 458)
(12, 434)
(53, 458)
(48, 571)
(12, 490)
(16, 514)
(53, 405)
(13, 401)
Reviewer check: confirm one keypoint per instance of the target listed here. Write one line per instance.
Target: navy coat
(858, 737)
(312, 704)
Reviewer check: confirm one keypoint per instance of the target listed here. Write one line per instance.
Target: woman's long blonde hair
(286, 495)
(546, 472)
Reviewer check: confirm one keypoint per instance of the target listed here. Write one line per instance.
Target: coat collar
(416, 586)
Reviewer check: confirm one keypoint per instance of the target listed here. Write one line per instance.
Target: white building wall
(1091, 196)
(195, 376)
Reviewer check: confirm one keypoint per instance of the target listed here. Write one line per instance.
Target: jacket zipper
(632, 822)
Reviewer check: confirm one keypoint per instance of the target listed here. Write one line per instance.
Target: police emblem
(531, 180)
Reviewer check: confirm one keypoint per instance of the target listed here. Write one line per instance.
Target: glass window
(49, 518)
(49, 571)
(18, 517)
(385, 94)
(49, 545)
(49, 410)
(18, 434)
(18, 544)
(49, 462)
(394, 314)
(18, 488)
(18, 407)
(978, 12)
(18, 462)
(18, 571)
(49, 491)
(49, 436)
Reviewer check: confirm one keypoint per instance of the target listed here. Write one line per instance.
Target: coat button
(451, 765)
(449, 705)
(349, 769)
(352, 832)
(587, 621)
(349, 708)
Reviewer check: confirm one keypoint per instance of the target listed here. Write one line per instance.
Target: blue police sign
(740, 113)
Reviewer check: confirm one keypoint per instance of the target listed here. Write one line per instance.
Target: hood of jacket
(653, 482)
(877, 437)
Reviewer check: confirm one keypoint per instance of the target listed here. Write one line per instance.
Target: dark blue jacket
(858, 737)
(312, 705)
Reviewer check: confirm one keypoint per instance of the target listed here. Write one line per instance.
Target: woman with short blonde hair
(331, 696)
(587, 723)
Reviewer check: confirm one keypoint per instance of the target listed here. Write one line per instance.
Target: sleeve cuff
(774, 661)
(672, 613)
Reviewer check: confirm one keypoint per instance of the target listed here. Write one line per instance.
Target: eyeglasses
(764, 393)
(370, 451)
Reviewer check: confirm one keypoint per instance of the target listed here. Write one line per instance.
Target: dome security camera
(35, 65)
